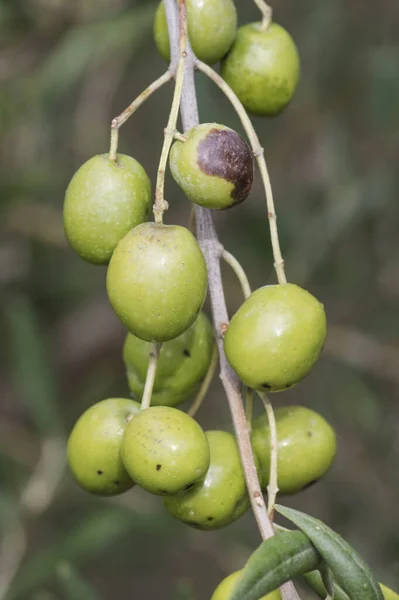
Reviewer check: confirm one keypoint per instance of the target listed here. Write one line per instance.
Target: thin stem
(272, 488)
(239, 271)
(266, 11)
(259, 155)
(249, 401)
(118, 121)
(196, 405)
(151, 372)
(160, 205)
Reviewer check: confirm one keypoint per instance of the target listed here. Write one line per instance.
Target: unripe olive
(275, 337)
(104, 200)
(214, 166)
(157, 281)
(306, 447)
(262, 68)
(221, 497)
(94, 447)
(164, 450)
(225, 589)
(212, 26)
(182, 364)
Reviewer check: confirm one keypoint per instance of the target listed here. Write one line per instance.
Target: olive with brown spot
(183, 363)
(94, 447)
(164, 450)
(157, 281)
(214, 166)
(221, 497)
(306, 447)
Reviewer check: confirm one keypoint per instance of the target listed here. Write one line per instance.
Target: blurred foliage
(66, 69)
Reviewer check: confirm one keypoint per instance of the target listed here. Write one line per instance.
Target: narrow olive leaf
(388, 594)
(73, 585)
(315, 581)
(349, 569)
(327, 579)
(276, 561)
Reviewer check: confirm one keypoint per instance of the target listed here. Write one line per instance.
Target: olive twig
(205, 384)
(239, 272)
(151, 372)
(272, 488)
(249, 401)
(259, 155)
(118, 121)
(211, 248)
(160, 205)
(266, 11)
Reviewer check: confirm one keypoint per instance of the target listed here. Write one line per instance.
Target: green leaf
(327, 579)
(31, 366)
(349, 569)
(74, 587)
(276, 561)
(315, 581)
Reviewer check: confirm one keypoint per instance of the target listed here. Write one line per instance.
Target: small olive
(183, 363)
(104, 200)
(164, 450)
(94, 447)
(157, 281)
(275, 337)
(225, 588)
(262, 68)
(306, 447)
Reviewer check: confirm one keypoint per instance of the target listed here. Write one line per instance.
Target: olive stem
(272, 488)
(196, 405)
(150, 378)
(118, 121)
(266, 11)
(160, 205)
(239, 272)
(249, 401)
(212, 250)
(259, 156)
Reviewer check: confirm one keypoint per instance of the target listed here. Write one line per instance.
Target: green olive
(214, 166)
(164, 450)
(306, 447)
(275, 337)
(104, 200)
(157, 281)
(221, 497)
(94, 447)
(263, 68)
(183, 363)
(225, 588)
(212, 26)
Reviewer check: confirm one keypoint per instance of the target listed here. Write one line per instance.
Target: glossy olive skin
(183, 363)
(164, 450)
(212, 26)
(103, 201)
(263, 68)
(221, 497)
(94, 447)
(307, 446)
(225, 589)
(214, 166)
(157, 281)
(275, 337)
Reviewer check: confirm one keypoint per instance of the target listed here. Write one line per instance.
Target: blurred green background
(66, 68)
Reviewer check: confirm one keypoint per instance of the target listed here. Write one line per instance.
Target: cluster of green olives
(157, 283)
(260, 62)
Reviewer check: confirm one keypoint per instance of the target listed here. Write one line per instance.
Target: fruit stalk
(160, 205)
(260, 159)
(121, 119)
(239, 272)
(151, 372)
(212, 250)
(266, 11)
(272, 488)
(196, 405)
